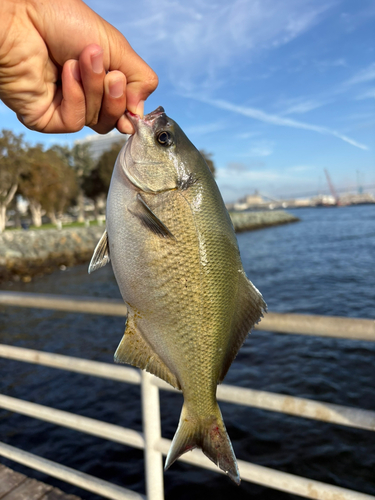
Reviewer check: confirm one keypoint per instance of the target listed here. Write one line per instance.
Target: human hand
(62, 67)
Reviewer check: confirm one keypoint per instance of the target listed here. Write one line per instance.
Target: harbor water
(323, 265)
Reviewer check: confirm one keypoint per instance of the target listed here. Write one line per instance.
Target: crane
(331, 188)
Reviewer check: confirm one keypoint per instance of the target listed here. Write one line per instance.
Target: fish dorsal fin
(140, 209)
(134, 350)
(100, 256)
(250, 309)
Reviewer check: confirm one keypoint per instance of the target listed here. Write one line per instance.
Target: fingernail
(75, 71)
(97, 62)
(140, 108)
(116, 88)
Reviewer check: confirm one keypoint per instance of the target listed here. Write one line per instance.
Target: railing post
(152, 433)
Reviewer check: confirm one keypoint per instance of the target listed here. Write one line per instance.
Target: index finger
(141, 79)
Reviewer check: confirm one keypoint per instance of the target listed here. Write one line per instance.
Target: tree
(95, 189)
(209, 161)
(48, 184)
(106, 163)
(97, 184)
(63, 188)
(80, 160)
(12, 156)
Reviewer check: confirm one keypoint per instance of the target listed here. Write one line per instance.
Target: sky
(275, 91)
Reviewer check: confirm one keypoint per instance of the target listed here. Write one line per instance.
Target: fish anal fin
(101, 254)
(250, 309)
(135, 351)
(140, 209)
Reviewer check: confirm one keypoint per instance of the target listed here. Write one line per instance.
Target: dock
(17, 486)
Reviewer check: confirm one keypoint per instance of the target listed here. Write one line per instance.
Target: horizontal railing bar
(272, 478)
(73, 421)
(68, 303)
(300, 407)
(72, 476)
(88, 367)
(327, 326)
(303, 324)
(291, 405)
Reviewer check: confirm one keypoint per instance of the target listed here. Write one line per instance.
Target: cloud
(248, 135)
(205, 128)
(240, 167)
(364, 75)
(299, 168)
(249, 175)
(260, 115)
(301, 105)
(324, 64)
(354, 19)
(370, 94)
(259, 148)
(196, 42)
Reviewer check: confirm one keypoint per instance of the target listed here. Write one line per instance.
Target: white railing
(151, 441)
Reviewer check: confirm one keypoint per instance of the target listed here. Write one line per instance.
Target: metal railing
(151, 440)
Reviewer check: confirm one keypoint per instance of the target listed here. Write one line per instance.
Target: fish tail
(209, 434)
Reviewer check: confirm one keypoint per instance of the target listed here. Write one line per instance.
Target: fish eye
(164, 138)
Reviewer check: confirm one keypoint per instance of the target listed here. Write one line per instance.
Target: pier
(17, 486)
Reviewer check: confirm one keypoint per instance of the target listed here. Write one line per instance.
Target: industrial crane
(331, 188)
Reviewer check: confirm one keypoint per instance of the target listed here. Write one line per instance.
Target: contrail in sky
(260, 115)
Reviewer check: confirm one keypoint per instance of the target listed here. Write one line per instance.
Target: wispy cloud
(364, 75)
(206, 128)
(259, 148)
(370, 94)
(324, 64)
(302, 105)
(195, 42)
(299, 168)
(239, 167)
(258, 114)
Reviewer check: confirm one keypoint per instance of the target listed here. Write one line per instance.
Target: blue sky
(275, 90)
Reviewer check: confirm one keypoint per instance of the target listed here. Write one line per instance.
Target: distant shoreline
(25, 254)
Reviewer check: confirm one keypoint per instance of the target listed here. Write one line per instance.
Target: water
(322, 265)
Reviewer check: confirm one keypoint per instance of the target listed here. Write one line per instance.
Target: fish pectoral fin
(140, 209)
(135, 351)
(250, 309)
(100, 256)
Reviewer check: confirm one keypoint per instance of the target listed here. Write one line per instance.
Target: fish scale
(176, 261)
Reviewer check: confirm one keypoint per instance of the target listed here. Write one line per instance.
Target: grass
(53, 226)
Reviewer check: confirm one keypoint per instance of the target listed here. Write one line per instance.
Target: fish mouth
(149, 119)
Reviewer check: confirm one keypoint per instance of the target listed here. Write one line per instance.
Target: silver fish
(176, 261)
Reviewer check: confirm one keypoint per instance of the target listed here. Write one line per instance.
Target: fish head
(158, 156)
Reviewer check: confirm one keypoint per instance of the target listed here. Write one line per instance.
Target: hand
(62, 67)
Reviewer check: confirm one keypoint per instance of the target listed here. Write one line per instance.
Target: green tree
(12, 158)
(96, 185)
(47, 183)
(209, 161)
(106, 163)
(80, 160)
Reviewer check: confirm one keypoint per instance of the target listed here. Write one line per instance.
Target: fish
(175, 257)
